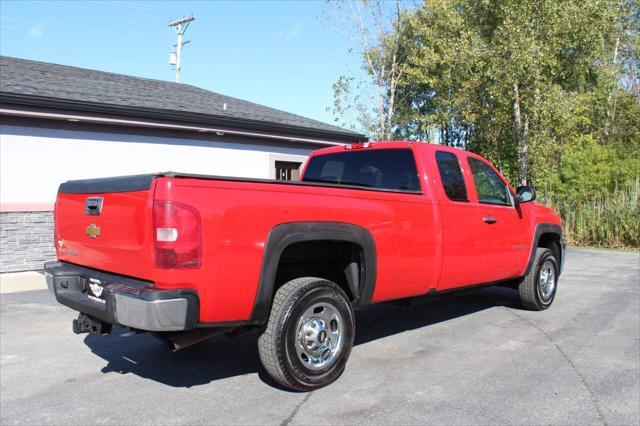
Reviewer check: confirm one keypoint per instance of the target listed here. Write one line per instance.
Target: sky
(282, 54)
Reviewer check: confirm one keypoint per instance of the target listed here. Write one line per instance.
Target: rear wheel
(308, 338)
(538, 288)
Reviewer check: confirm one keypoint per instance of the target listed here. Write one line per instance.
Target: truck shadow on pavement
(221, 357)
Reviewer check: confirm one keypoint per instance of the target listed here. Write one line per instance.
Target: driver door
(502, 235)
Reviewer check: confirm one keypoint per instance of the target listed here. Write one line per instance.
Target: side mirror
(525, 194)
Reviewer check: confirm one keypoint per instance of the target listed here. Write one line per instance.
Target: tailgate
(106, 224)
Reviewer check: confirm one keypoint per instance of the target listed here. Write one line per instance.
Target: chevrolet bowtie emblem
(93, 230)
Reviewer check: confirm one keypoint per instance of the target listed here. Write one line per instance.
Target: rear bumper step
(115, 299)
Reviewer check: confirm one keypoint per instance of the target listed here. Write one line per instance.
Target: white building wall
(35, 160)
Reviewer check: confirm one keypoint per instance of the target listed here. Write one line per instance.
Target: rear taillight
(177, 235)
(57, 242)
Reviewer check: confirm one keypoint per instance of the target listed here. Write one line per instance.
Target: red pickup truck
(185, 256)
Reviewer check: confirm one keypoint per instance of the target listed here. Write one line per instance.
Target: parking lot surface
(472, 359)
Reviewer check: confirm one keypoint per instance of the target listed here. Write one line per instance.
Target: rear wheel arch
(303, 234)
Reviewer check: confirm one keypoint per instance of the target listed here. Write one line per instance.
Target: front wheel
(308, 338)
(538, 288)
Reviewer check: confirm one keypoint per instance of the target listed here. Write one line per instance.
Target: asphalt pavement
(472, 359)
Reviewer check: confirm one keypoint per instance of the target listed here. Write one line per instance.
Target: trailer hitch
(87, 324)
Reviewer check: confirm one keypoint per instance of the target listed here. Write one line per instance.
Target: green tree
(490, 75)
(547, 90)
(376, 29)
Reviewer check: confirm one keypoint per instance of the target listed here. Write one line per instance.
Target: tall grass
(609, 220)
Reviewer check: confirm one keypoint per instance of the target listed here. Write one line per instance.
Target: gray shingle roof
(46, 81)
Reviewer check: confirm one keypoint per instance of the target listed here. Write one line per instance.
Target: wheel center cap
(319, 337)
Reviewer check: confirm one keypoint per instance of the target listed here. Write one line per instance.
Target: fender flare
(283, 235)
(546, 228)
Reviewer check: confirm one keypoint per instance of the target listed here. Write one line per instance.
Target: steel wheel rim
(319, 337)
(547, 280)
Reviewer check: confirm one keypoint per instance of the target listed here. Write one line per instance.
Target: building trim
(26, 207)
(220, 131)
(198, 119)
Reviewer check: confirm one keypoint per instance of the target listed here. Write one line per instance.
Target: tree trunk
(498, 158)
(607, 123)
(524, 152)
(634, 79)
(521, 135)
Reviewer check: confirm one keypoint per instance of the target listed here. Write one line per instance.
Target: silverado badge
(93, 230)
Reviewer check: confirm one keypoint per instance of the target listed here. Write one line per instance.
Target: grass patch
(609, 220)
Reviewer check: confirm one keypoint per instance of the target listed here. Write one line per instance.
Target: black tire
(278, 346)
(532, 293)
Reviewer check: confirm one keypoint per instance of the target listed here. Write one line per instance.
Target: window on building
(490, 187)
(392, 169)
(287, 170)
(451, 176)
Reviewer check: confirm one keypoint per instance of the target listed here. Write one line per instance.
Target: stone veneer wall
(26, 240)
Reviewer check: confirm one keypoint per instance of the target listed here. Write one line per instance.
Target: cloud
(294, 32)
(35, 31)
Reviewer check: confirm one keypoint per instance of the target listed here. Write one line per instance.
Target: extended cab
(185, 256)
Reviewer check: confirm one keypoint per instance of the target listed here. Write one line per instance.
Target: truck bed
(237, 217)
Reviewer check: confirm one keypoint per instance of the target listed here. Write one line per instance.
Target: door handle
(490, 220)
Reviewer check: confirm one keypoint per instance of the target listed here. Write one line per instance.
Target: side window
(451, 176)
(491, 189)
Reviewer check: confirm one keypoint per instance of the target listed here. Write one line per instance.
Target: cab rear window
(385, 169)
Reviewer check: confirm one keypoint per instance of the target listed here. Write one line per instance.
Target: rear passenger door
(460, 256)
(501, 236)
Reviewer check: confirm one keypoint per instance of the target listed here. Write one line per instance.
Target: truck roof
(428, 146)
(384, 145)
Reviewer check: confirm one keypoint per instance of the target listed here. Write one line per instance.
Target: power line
(180, 26)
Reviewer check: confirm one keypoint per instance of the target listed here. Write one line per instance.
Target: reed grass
(608, 220)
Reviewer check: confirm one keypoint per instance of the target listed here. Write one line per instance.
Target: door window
(451, 176)
(490, 187)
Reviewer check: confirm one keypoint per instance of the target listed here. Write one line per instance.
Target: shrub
(610, 219)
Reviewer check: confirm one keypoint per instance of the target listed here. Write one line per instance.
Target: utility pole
(180, 26)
